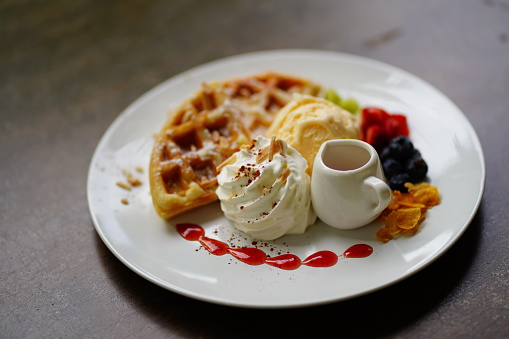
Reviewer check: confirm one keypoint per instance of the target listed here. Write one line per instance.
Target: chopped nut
(262, 155)
(275, 146)
(272, 147)
(228, 161)
(124, 201)
(123, 185)
(231, 197)
(285, 175)
(134, 182)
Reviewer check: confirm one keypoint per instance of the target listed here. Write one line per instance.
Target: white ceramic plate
(153, 249)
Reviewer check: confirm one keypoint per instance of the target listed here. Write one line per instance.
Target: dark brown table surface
(68, 68)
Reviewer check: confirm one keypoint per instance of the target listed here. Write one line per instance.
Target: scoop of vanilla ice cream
(265, 190)
(307, 121)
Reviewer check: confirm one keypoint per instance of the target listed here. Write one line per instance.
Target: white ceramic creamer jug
(348, 186)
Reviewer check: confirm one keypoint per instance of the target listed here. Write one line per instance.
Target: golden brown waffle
(207, 129)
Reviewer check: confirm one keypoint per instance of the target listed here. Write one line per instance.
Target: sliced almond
(272, 147)
(285, 175)
(231, 197)
(227, 162)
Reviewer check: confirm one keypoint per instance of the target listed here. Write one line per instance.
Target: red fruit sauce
(255, 256)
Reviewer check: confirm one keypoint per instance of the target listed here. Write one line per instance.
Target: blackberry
(398, 180)
(385, 154)
(400, 148)
(417, 168)
(391, 167)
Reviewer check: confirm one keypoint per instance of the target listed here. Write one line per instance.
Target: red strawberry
(378, 127)
(371, 116)
(375, 137)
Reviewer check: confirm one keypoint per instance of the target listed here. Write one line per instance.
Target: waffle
(208, 128)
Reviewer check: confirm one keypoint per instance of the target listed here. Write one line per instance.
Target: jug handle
(382, 193)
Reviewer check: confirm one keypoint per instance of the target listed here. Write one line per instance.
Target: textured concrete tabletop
(68, 68)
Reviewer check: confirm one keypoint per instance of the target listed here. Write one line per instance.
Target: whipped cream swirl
(265, 190)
